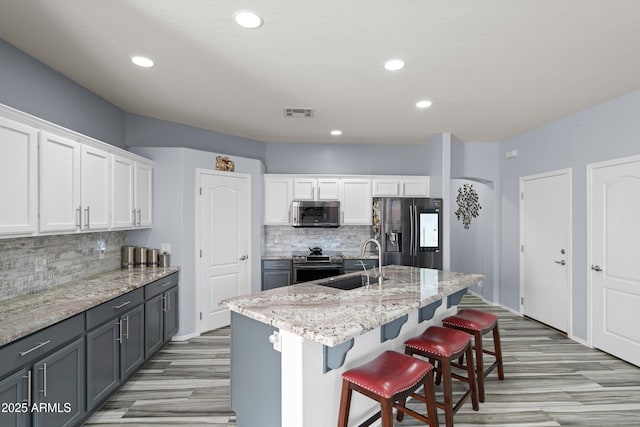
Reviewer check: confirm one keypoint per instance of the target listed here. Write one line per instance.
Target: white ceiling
(493, 68)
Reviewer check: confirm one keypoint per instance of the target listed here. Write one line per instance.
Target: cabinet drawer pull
(164, 285)
(42, 344)
(118, 307)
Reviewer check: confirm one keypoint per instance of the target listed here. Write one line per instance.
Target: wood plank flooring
(549, 381)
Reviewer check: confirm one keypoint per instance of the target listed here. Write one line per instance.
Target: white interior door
(545, 208)
(224, 243)
(614, 233)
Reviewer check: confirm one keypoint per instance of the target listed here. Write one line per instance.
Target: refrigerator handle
(417, 227)
(411, 228)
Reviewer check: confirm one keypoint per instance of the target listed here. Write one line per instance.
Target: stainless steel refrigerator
(409, 230)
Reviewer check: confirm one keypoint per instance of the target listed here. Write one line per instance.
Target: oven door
(306, 272)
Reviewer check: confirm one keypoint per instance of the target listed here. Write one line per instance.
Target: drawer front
(279, 264)
(160, 285)
(114, 308)
(354, 264)
(34, 346)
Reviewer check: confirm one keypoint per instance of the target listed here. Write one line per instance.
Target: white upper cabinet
(278, 193)
(401, 186)
(123, 213)
(356, 201)
(74, 185)
(131, 183)
(143, 183)
(308, 188)
(60, 208)
(18, 178)
(95, 188)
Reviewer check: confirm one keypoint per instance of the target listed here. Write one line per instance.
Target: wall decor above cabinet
(54, 180)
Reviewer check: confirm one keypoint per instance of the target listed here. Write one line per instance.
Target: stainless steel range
(316, 265)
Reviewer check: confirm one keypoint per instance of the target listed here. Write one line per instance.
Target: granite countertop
(30, 313)
(332, 316)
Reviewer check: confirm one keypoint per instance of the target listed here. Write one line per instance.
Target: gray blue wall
(606, 131)
(30, 86)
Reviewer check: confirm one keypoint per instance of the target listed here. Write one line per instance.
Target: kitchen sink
(346, 283)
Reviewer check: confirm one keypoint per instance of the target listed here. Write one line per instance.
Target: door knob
(243, 257)
(596, 268)
(561, 262)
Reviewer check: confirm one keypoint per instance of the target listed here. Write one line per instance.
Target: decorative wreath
(468, 206)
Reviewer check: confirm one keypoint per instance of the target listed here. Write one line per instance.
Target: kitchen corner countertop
(30, 313)
(332, 316)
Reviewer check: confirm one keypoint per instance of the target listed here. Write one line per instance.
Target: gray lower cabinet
(276, 273)
(115, 344)
(59, 375)
(59, 387)
(161, 313)
(43, 377)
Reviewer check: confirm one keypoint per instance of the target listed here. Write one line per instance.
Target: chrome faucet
(364, 247)
(364, 267)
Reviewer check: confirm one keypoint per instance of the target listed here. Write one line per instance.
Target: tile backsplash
(287, 239)
(32, 264)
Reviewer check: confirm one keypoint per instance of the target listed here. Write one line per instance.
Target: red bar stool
(388, 379)
(479, 323)
(442, 346)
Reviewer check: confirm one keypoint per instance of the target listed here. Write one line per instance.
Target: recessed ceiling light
(423, 104)
(394, 64)
(336, 132)
(142, 61)
(247, 19)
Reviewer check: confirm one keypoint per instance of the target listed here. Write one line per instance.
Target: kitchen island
(289, 346)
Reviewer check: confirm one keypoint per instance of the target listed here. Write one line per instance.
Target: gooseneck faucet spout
(364, 247)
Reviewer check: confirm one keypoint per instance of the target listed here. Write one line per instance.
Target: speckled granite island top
(331, 316)
(30, 313)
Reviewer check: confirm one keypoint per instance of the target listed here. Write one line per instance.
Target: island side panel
(314, 396)
(255, 374)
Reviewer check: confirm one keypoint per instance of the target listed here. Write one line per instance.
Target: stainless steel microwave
(315, 213)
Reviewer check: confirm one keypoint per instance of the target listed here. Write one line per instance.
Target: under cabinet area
(276, 273)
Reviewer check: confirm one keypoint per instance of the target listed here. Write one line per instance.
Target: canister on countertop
(127, 256)
(163, 260)
(140, 257)
(152, 257)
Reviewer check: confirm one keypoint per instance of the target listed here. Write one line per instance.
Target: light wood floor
(550, 381)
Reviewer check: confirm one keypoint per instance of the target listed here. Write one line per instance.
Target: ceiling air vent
(298, 113)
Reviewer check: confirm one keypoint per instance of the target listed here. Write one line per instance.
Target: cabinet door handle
(134, 216)
(86, 213)
(139, 217)
(42, 344)
(164, 303)
(168, 302)
(126, 331)
(118, 307)
(79, 218)
(28, 378)
(44, 380)
(119, 339)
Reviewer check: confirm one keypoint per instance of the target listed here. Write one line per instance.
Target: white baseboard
(184, 337)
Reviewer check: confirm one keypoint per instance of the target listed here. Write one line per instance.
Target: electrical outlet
(165, 248)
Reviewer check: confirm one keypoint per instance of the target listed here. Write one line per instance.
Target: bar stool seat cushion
(389, 374)
(440, 341)
(471, 319)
